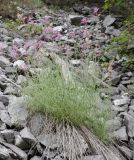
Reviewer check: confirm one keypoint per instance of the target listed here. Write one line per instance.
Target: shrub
(76, 103)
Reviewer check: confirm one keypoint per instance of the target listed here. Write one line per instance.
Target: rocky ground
(80, 33)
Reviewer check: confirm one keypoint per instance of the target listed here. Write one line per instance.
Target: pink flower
(84, 21)
(14, 52)
(95, 11)
(71, 35)
(97, 52)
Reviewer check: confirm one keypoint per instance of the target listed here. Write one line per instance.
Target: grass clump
(76, 103)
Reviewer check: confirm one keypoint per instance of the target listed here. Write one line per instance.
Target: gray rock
(8, 135)
(120, 109)
(112, 53)
(129, 121)
(4, 99)
(27, 136)
(4, 61)
(112, 31)
(129, 74)
(132, 101)
(5, 153)
(48, 140)
(21, 80)
(126, 151)
(18, 42)
(75, 62)
(21, 143)
(17, 111)
(37, 124)
(20, 65)
(36, 158)
(11, 90)
(3, 85)
(130, 45)
(95, 157)
(58, 28)
(127, 82)
(4, 116)
(131, 112)
(109, 20)
(2, 107)
(116, 80)
(131, 107)
(93, 20)
(121, 134)
(120, 102)
(131, 143)
(113, 124)
(75, 19)
(122, 87)
(11, 70)
(20, 154)
(86, 10)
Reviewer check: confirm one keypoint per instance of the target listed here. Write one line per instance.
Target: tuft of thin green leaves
(76, 103)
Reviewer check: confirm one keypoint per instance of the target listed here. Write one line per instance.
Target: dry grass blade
(99, 147)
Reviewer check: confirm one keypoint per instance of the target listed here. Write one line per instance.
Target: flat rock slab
(17, 111)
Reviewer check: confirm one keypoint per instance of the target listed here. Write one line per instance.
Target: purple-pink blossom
(95, 11)
(84, 21)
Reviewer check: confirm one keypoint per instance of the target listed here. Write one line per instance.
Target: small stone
(36, 158)
(128, 82)
(75, 62)
(4, 99)
(75, 19)
(121, 134)
(37, 123)
(93, 20)
(126, 151)
(120, 109)
(27, 136)
(21, 80)
(58, 28)
(109, 20)
(112, 31)
(116, 80)
(95, 157)
(129, 121)
(129, 74)
(4, 62)
(11, 90)
(86, 10)
(120, 102)
(131, 107)
(18, 42)
(48, 140)
(21, 143)
(2, 107)
(130, 45)
(17, 111)
(20, 154)
(131, 143)
(113, 124)
(131, 112)
(4, 116)
(8, 136)
(122, 87)
(20, 64)
(5, 153)
(11, 70)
